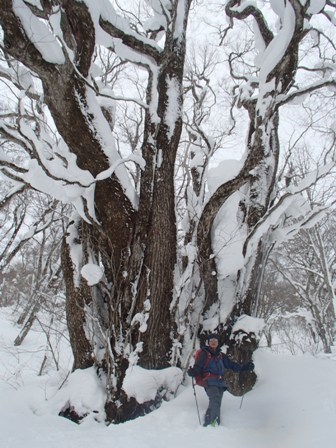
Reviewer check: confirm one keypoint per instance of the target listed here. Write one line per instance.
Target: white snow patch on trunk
(92, 273)
(173, 111)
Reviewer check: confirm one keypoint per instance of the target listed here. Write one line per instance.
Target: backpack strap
(202, 360)
(207, 360)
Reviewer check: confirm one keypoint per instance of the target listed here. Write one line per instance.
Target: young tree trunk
(28, 323)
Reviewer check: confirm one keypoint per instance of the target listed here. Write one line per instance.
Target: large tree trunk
(134, 243)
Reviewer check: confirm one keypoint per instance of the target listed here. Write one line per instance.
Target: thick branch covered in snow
(238, 10)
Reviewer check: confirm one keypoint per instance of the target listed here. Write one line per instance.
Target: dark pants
(215, 395)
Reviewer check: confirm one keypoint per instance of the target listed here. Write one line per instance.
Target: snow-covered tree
(248, 210)
(307, 263)
(273, 80)
(120, 252)
(132, 295)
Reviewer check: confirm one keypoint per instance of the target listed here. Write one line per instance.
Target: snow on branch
(135, 157)
(39, 34)
(315, 6)
(106, 19)
(20, 77)
(234, 9)
(161, 19)
(52, 168)
(277, 47)
(19, 188)
(283, 99)
(295, 205)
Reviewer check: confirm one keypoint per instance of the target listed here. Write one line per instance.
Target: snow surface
(293, 405)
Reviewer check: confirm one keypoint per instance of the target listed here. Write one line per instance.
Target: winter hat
(212, 336)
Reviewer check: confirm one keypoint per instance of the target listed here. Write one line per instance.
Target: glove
(191, 372)
(194, 371)
(249, 367)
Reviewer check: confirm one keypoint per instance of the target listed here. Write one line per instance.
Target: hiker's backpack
(201, 379)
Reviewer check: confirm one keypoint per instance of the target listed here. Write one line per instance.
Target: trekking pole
(241, 401)
(198, 412)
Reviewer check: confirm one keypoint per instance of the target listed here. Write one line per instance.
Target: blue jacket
(211, 364)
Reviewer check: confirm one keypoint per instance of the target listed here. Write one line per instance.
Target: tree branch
(284, 99)
(131, 41)
(235, 10)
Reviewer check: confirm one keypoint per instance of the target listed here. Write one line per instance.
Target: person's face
(213, 343)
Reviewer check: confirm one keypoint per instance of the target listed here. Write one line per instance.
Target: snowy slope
(293, 405)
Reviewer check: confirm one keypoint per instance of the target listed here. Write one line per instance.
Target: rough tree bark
(135, 242)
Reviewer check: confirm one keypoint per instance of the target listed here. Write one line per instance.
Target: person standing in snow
(208, 371)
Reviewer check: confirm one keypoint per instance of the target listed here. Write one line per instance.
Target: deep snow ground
(293, 405)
